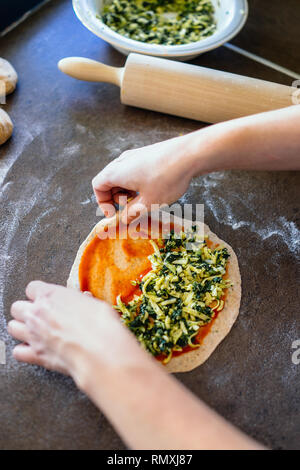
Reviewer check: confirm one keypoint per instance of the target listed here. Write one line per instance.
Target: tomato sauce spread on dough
(108, 266)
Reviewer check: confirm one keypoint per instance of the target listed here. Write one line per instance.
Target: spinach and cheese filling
(171, 23)
(182, 292)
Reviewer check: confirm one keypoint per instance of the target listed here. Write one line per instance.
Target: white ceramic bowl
(230, 16)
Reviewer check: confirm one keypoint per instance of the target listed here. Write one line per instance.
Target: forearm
(268, 141)
(150, 409)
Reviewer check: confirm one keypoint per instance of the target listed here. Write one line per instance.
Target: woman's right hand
(156, 174)
(161, 173)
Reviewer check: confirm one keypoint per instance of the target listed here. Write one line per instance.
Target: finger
(108, 209)
(102, 187)
(18, 330)
(37, 289)
(102, 182)
(25, 353)
(105, 186)
(117, 189)
(19, 309)
(103, 197)
(105, 202)
(116, 192)
(133, 210)
(123, 197)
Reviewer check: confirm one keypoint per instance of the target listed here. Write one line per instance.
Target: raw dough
(221, 326)
(6, 126)
(9, 75)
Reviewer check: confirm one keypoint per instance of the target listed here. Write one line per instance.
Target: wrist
(78, 360)
(104, 355)
(216, 147)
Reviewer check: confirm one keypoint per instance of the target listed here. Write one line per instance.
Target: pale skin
(75, 334)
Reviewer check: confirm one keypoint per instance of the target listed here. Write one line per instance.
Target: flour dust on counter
(224, 210)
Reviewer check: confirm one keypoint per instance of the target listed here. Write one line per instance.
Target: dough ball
(9, 75)
(6, 126)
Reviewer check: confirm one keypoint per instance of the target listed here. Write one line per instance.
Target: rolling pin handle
(91, 70)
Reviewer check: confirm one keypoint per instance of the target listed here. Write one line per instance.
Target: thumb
(133, 210)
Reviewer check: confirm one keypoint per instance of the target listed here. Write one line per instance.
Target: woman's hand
(61, 329)
(65, 330)
(156, 174)
(161, 173)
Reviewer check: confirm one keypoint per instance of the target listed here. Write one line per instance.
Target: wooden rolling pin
(183, 89)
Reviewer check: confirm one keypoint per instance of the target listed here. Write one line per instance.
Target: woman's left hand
(58, 326)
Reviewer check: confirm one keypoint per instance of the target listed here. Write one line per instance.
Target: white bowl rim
(130, 45)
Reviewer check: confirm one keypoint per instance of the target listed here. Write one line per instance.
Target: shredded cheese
(174, 305)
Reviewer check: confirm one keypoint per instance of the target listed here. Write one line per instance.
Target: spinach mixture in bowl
(169, 23)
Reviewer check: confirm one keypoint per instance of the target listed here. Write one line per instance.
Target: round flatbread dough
(6, 126)
(8, 75)
(221, 325)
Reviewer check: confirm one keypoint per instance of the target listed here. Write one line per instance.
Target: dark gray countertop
(65, 132)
